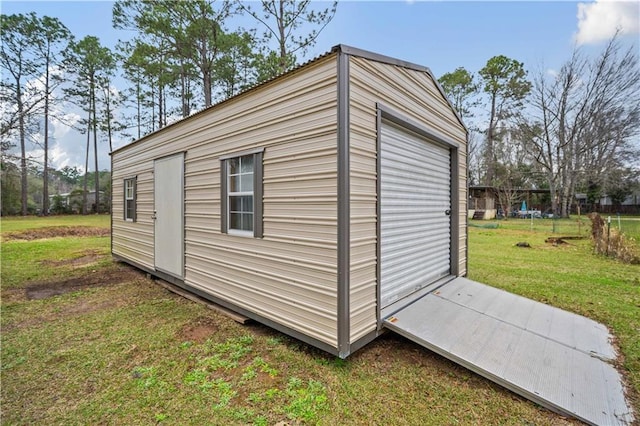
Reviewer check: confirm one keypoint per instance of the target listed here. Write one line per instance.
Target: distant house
(484, 201)
(631, 205)
(73, 200)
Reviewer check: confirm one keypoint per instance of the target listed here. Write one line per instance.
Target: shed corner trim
(344, 257)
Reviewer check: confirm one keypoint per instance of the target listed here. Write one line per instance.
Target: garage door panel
(415, 232)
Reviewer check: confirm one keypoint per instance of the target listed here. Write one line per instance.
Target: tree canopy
(570, 131)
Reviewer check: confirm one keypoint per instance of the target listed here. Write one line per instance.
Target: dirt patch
(57, 231)
(198, 330)
(45, 289)
(557, 241)
(87, 258)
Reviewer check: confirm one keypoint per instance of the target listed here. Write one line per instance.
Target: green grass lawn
(10, 224)
(120, 349)
(628, 226)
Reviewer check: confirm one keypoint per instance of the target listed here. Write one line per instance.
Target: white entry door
(168, 180)
(415, 212)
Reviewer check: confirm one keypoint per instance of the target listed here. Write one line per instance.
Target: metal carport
(558, 359)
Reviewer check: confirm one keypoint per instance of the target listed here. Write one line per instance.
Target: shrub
(611, 242)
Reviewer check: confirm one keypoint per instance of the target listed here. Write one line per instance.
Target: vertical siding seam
(111, 207)
(466, 216)
(223, 198)
(258, 188)
(344, 329)
(183, 209)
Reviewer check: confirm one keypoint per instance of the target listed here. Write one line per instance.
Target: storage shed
(330, 203)
(269, 203)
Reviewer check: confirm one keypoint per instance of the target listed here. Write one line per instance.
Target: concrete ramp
(555, 358)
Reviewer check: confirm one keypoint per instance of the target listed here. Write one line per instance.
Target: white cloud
(600, 20)
(61, 157)
(62, 122)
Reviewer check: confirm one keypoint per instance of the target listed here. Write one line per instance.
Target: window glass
(247, 221)
(241, 194)
(246, 183)
(233, 166)
(129, 200)
(246, 164)
(234, 183)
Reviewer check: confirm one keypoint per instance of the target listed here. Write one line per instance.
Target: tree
(91, 62)
(621, 184)
(460, 88)
(17, 33)
(504, 81)
(51, 36)
(236, 68)
(512, 168)
(191, 33)
(205, 30)
(10, 188)
(283, 19)
(583, 119)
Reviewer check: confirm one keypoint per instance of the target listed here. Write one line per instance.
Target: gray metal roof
(340, 48)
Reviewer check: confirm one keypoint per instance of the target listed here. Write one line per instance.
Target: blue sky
(442, 35)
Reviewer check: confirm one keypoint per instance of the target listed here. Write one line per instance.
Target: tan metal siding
(133, 240)
(415, 95)
(290, 275)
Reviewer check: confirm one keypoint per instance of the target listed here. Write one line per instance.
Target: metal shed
(325, 203)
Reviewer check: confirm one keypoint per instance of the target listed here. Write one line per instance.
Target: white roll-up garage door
(415, 207)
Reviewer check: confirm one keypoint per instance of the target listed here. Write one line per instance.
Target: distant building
(484, 201)
(73, 200)
(631, 205)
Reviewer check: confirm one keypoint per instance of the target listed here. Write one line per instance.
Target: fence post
(608, 233)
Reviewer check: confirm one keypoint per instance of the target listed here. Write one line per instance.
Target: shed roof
(340, 48)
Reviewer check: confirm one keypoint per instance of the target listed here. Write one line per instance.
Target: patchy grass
(116, 348)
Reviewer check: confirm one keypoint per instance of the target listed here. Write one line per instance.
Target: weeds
(611, 242)
(308, 402)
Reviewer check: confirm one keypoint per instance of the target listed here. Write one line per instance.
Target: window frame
(133, 199)
(256, 193)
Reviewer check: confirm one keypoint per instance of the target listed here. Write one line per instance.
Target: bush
(58, 205)
(611, 242)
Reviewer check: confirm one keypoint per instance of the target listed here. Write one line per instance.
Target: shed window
(130, 199)
(242, 194)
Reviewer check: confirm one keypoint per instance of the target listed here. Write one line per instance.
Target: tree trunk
(281, 32)
(160, 112)
(86, 164)
(23, 151)
(183, 90)
(45, 172)
(139, 106)
(153, 110)
(108, 106)
(95, 150)
(206, 81)
(489, 154)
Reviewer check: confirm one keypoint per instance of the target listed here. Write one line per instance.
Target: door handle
(447, 212)
(153, 216)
